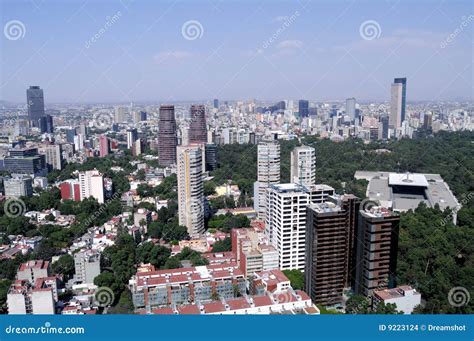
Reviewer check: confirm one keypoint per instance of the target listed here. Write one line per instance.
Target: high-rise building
(35, 103)
(351, 108)
(87, 266)
(211, 157)
(167, 138)
(384, 120)
(285, 223)
(216, 103)
(70, 134)
(25, 161)
(428, 121)
(376, 250)
(53, 156)
(91, 184)
(46, 124)
(327, 241)
(132, 136)
(403, 82)
(268, 173)
(197, 127)
(303, 108)
(303, 166)
(104, 146)
(190, 189)
(18, 186)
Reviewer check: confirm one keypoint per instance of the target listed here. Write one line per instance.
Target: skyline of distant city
(121, 52)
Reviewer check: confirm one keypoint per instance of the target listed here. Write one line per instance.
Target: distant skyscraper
(402, 81)
(104, 146)
(211, 157)
(190, 189)
(303, 166)
(132, 136)
(303, 108)
(197, 127)
(395, 121)
(46, 124)
(167, 138)
(70, 134)
(216, 103)
(384, 120)
(376, 250)
(268, 173)
(351, 108)
(35, 103)
(53, 156)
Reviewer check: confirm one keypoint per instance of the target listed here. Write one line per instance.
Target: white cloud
(290, 44)
(171, 56)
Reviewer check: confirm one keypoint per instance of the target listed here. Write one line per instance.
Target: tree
(357, 304)
(124, 305)
(296, 278)
(108, 280)
(64, 265)
(222, 245)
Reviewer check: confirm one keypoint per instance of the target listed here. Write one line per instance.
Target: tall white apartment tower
(285, 223)
(190, 189)
(268, 173)
(303, 166)
(91, 184)
(395, 118)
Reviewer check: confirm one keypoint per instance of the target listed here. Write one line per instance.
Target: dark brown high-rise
(376, 250)
(197, 127)
(167, 139)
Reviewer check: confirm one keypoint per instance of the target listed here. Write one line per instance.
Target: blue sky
(320, 54)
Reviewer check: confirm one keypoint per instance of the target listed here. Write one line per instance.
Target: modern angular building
(211, 157)
(303, 166)
(403, 82)
(104, 146)
(18, 186)
(167, 138)
(197, 126)
(303, 108)
(190, 189)
(53, 156)
(25, 161)
(351, 108)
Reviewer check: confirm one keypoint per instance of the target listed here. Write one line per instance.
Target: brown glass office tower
(197, 127)
(167, 139)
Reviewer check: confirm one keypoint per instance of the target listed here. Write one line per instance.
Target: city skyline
(139, 52)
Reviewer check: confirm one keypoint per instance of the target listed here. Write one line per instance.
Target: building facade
(303, 166)
(167, 137)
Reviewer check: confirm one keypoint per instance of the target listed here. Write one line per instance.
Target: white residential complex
(303, 166)
(92, 185)
(190, 189)
(268, 173)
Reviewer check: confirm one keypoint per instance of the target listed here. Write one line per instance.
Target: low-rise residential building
(87, 266)
(404, 297)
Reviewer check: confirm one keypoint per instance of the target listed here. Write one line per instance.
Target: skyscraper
(216, 103)
(303, 108)
(132, 136)
(285, 223)
(376, 250)
(327, 241)
(167, 138)
(211, 157)
(53, 155)
(403, 82)
(35, 103)
(46, 124)
(197, 127)
(268, 173)
(396, 103)
(190, 189)
(104, 147)
(303, 166)
(351, 108)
